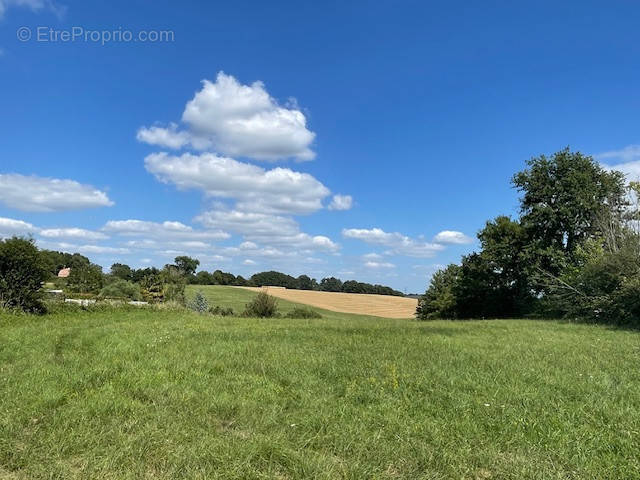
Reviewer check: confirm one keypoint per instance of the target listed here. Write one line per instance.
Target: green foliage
(304, 282)
(439, 301)
(53, 261)
(604, 287)
(218, 277)
(203, 278)
(331, 284)
(571, 252)
(22, 272)
(186, 265)
(86, 279)
(262, 306)
(199, 303)
(222, 311)
(166, 285)
(122, 271)
(562, 199)
(303, 312)
(223, 278)
(241, 281)
(273, 279)
(278, 279)
(121, 289)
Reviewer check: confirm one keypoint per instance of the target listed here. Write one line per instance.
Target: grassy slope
(237, 298)
(137, 394)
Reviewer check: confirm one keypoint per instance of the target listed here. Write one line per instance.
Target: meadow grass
(142, 393)
(236, 298)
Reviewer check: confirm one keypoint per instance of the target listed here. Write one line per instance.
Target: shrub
(121, 289)
(199, 303)
(262, 306)
(21, 275)
(301, 312)
(218, 310)
(174, 292)
(163, 286)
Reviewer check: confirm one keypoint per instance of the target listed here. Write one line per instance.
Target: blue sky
(366, 140)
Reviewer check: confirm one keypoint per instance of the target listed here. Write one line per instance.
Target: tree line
(187, 267)
(573, 251)
(24, 269)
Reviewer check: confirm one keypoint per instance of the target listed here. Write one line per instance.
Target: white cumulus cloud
(452, 237)
(341, 202)
(40, 194)
(376, 265)
(163, 137)
(239, 120)
(398, 243)
(279, 190)
(157, 231)
(72, 233)
(266, 229)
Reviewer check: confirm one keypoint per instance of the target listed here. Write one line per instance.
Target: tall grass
(149, 393)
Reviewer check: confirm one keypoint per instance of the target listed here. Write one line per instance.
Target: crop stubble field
(386, 306)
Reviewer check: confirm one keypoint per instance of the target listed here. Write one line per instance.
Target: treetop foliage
(574, 251)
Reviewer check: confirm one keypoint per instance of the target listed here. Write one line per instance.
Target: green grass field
(140, 393)
(235, 298)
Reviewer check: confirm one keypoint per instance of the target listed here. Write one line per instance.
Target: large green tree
(186, 265)
(563, 197)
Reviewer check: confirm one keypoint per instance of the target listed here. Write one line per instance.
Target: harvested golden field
(364, 304)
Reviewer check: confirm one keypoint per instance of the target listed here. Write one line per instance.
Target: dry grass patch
(363, 304)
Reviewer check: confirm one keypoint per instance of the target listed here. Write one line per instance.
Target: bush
(163, 286)
(21, 275)
(199, 303)
(300, 312)
(262, 306)
(121, 289)
(218, 310)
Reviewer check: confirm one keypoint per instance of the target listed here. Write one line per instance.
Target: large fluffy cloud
(239, 120)
(40, 194)
(279, 190)
(398, 243)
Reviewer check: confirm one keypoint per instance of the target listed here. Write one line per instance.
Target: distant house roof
(64, 273)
